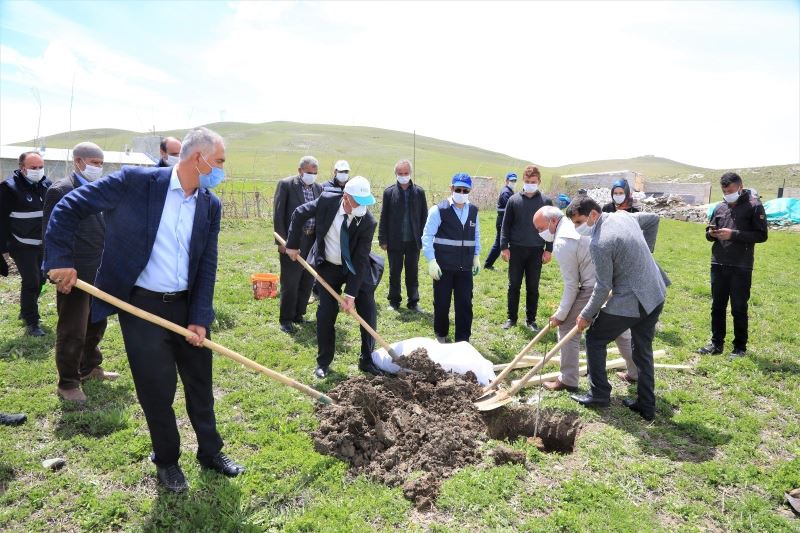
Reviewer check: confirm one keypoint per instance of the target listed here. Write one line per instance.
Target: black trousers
(156, 357)
(459, 284)
(296, 284)
(406, 256)
(328, 309)
(77, 338)
(494, 253)
(607, 327)
(524, 262)
(29, 264)
(730, 283)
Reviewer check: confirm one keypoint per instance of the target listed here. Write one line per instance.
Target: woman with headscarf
(621, 199)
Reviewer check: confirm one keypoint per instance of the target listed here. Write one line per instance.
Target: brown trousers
(77, 338)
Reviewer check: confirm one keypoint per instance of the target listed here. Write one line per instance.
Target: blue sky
(715, 84)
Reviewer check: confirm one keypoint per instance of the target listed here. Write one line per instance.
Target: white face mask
(529, 188)
(585, 229)
(546, 235)
(359, 211)
(34, 176)
(732, 197)
(342, 177)
(460, 197)
(92, 173)
(308, 179)
(172, 160)
(402, 180)
(618, 198)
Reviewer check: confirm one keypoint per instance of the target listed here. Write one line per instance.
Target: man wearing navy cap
(502, 200)
(451, 242)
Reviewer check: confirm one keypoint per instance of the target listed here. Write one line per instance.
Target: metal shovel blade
(494, 401)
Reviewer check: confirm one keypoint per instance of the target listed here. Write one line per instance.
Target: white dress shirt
(333, 249)
(571, 250)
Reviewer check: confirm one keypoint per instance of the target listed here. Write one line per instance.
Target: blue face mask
(213, 178)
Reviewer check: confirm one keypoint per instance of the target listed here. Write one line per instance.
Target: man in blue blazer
(160, 254)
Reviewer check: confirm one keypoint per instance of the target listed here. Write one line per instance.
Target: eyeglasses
(461, 190)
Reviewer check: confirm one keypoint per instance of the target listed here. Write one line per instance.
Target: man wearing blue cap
(451, 241)
(341, 255)
(502, 200)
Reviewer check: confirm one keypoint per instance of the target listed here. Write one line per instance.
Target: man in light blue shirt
(451, 242)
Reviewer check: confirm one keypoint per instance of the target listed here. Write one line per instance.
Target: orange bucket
(264, 286)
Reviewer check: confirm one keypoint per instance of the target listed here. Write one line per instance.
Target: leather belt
(166, 297)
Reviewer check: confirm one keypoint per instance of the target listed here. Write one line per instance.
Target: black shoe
(393, 307)
(299, 320)
(12, 419)
(737, 352)
(366, 365)
(587, 400)
(224, 465)
(34, 331)
(322, 372)
(288, 327)
(415, 308)
(710, 349)
(171, 477)
(509, 324)
(532, 325)
(633, 405)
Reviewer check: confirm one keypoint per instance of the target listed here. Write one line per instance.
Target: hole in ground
(557, 430)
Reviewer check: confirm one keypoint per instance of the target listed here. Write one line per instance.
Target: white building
(58, 161)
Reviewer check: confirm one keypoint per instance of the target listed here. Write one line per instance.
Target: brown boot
(99, 373)
(72, 395)
(624, 376)
(558, 385)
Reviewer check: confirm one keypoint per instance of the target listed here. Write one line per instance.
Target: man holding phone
(735, 226)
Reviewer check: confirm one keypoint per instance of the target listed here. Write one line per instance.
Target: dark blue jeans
(494, 253)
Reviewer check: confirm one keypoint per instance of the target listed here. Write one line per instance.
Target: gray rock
(56, 463)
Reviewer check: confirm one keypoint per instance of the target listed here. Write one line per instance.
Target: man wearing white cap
(341, 173)
(341, 255)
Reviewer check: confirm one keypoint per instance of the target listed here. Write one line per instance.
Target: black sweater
(518, 227)
(749, 224)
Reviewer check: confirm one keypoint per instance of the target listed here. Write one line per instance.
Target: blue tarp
(779, 211)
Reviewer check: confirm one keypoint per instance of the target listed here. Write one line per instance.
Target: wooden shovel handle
(144, 315)
(339, 299)
(507, 370)
(532, 372)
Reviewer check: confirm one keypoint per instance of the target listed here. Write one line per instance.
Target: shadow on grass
(689, 441)
(25, 347)
(212, 503)
(6, 476)
(670, 338)
(776, 365)
(105, 412)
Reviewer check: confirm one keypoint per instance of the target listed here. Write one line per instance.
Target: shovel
(503, 396)
(513, 364)
(385, 345)
(230, 354)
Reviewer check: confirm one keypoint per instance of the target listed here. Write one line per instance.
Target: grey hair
(551, 212)
(86, 150)
(404, 162)
(308, 160)
(200, 140)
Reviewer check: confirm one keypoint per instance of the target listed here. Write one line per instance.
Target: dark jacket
(360, 230)
(161, 163)
(506, 193)
(88, 246)
(21, 212)
(393, 209)
(288, 197)
(454, 243)
(518, 227)
(131, 201)
(332, 185)
(611, 207)
(749, 222)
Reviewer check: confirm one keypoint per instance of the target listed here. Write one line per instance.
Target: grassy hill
(259, 154)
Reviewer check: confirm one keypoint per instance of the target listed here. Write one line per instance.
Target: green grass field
(259, 154)
(724, 447)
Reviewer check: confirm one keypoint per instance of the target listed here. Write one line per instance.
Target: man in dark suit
(170, 149)
(403, 214)
(160, 254)
(341, 256)
(78, 356)
(295, 281)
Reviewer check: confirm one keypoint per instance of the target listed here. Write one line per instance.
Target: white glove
(476, 265)
(433, 270)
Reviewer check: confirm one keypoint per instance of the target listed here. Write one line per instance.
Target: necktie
(344, 245)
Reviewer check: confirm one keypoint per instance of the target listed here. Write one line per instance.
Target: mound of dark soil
(414, 429)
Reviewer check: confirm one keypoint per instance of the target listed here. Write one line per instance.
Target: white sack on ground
(459, 357)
